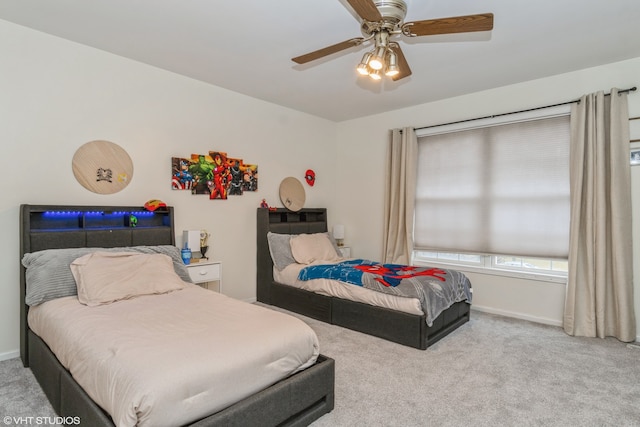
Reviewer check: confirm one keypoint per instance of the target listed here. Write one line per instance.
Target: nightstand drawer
(207, 272)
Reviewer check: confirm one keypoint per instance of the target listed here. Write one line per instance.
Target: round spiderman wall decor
(310, 177)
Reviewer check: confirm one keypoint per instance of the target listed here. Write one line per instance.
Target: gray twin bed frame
(402, 328)
(294, 401)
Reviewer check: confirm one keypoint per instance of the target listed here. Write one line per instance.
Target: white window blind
(501, 189)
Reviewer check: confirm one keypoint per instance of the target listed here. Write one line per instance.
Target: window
(537, 268)
(495, 189)
(451, 258)
(538, 265)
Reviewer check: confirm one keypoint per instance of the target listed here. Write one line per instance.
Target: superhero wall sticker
(213, 174)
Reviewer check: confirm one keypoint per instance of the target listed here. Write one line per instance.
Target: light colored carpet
(493, 371)
(22, 402)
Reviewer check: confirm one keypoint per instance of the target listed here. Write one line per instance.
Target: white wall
(362, 151)
(57, 95)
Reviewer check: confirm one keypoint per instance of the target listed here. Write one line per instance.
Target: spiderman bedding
(436, 289)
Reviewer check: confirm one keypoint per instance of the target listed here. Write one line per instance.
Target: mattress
(289, 276)
(171, 359)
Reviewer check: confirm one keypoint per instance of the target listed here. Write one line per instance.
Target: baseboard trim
(516, 315)
(9, 355)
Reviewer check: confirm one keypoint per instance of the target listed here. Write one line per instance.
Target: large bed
(398, 321)
(67, 340)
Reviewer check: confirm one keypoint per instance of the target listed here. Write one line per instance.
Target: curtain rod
(632, 89)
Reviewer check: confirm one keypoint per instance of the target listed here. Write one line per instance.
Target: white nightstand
(204, 272)
(346, 251)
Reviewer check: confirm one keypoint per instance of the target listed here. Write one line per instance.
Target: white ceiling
(246, 45)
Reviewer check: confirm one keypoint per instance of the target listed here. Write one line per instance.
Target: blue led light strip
(70, 214)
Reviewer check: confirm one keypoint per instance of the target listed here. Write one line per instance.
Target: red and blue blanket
(437, 289)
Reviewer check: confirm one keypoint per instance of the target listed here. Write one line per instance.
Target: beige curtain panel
(400, 190)
(599, 299)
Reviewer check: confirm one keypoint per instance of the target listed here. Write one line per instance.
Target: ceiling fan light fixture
(376, 75)
(376, 63)
(392, 64)
(363, 70)
(363, 66)
(392, 70)
(377, 60)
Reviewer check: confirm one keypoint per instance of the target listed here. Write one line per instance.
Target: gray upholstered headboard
(281, 221)
(57, 227)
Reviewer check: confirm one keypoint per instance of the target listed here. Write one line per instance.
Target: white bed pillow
(106, 277)
(307, 248)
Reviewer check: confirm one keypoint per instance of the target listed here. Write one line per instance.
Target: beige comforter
(166, 360)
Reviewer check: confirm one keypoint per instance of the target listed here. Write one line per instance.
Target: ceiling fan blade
(455, 24)
(366, 10)
(317, 54)
(405, 71)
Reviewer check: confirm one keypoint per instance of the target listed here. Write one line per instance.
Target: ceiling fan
(382, 21)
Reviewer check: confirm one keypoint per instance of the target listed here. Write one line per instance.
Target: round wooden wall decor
(102, 167)
(292, 194)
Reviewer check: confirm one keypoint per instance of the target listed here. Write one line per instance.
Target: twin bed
(395, 318)
(115, 335)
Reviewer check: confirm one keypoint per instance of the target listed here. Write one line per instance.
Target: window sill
(540, 277)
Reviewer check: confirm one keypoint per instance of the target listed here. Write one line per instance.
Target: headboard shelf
(305, 215)
(54, 227)
(77, 218)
